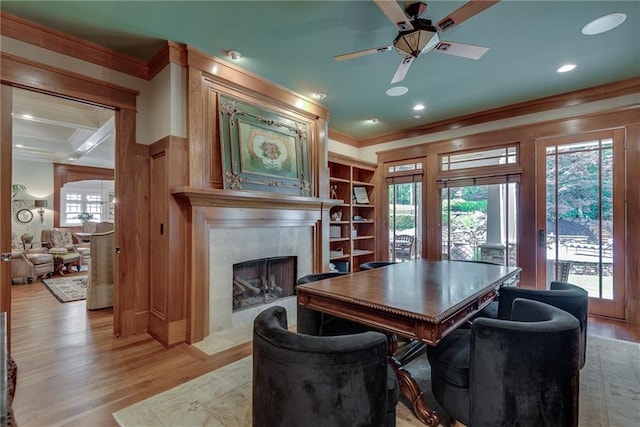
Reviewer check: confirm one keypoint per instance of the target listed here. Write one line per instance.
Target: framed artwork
(262, 150)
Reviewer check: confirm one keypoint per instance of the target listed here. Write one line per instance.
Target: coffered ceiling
(293, 43)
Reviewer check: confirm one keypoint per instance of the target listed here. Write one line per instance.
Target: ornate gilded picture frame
(262, 150)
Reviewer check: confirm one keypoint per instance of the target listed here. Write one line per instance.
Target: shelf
(362, 237)
(361, 183)
(331, 179)
(359, 252)
(346, 177)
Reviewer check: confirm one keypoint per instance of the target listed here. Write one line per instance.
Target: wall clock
(24, 215)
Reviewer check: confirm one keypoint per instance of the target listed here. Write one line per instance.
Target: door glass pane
(479, 223)
(404, 221)
(579, 197)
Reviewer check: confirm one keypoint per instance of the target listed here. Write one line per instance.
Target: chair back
(525, 371)
(317, 381)
(562, 295)
(101, 271)
(375, 264)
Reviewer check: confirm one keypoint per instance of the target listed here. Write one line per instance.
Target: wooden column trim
(633, 224)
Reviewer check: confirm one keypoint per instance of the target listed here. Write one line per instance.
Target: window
(90, 197)
(479, 193)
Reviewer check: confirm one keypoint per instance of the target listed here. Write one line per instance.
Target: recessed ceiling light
(320, 95)
(19, 146)
(397, 91)
(417, 116)
(603, 24)
(27, 116)
(565, 68)
(418, 107)
(234, 54)
(373, 120)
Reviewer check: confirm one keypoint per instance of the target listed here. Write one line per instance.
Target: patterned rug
(609, 393)
(67, 289)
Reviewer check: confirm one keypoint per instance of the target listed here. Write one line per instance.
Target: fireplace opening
(262, 281)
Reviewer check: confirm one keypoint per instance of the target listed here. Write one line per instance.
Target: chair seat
(40, 258)
(450, 358)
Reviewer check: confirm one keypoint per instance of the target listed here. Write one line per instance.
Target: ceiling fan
(417, 36)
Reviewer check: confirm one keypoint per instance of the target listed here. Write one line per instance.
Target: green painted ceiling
(292, 43)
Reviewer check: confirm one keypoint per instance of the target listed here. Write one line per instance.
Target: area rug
(67, 289)
(609, 393)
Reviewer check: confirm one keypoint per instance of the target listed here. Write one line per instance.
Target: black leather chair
(375, 264)
(518, 372)
(562, 295)
(301, 380)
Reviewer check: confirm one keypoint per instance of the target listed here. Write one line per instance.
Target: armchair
(29, 263)
(100, 277)
(301, 380)
(59, 241)
(404, 247)
(562, 295)
(522, 371)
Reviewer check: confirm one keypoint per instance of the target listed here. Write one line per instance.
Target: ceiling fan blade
(466, 11)
(402, 69)
(460, 49)
(351, 55)
(396, 15)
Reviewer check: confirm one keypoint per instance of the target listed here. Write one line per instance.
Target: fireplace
(263, 281)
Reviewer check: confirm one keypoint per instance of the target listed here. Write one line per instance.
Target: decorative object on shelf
(332, 192)
(41, 204)
(357, 218)
(336, 216)
(24, 216)
(263, 150)
(85, 216)
(336, 252)
(360, 195)
(335, 232)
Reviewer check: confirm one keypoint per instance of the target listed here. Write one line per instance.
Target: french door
(581, 216)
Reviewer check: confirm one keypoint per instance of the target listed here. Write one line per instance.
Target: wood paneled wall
(168, 221)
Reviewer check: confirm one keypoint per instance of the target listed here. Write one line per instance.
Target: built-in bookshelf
(352, 225)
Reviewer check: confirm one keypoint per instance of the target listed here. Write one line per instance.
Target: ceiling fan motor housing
(421, 39)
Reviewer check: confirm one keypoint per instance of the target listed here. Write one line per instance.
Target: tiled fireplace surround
(228, 246)
(229, 227)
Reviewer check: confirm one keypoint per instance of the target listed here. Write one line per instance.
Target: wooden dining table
(421, 300)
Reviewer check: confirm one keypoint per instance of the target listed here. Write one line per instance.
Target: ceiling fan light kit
(417, 36)
(421, 39)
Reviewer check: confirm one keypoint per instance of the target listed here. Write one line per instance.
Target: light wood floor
(73, 371)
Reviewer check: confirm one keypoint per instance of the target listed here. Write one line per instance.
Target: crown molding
(47, 38)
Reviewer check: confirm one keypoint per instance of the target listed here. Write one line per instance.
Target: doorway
(581, 215)
(122, 101)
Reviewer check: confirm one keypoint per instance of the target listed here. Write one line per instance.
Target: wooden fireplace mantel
(211, 197)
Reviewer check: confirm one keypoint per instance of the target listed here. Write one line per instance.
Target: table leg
(408, 385)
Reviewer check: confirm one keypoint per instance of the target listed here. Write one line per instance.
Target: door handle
(116, 249)
(6, 257)
(542, 241)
